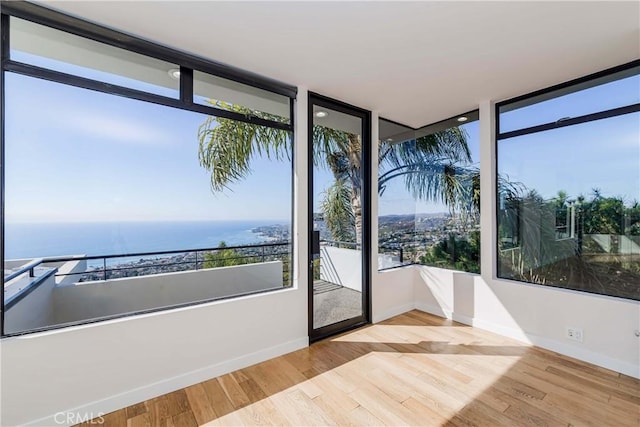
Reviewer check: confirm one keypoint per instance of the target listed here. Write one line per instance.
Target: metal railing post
(27, 268)
(104, 269)
(196, 260)
(401, 256)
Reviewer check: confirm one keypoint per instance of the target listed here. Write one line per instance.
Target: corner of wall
(536, 315)
(392, 293)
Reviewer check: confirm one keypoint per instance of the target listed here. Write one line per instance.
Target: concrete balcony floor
(334, 303)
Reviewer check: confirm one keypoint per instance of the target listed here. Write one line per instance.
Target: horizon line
(142, 221)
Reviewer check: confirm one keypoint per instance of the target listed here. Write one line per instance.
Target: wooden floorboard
(413, 369)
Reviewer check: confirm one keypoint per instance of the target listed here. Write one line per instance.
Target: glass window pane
(569, 212)
(572, 102)
(428, 211)
(217, 92)
(394, 132)
(59, 51)
(107, 175)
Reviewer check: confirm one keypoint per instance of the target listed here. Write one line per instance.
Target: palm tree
(432, 167)
(436, 168)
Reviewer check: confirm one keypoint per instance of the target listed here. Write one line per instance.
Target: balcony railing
(23, 280)
(142, 286)
(105, 267)
(30, 267)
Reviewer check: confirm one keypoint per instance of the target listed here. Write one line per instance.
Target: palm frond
(226, 147)
(327, 141)
(448, 143)
(338, 212)
(434, 168)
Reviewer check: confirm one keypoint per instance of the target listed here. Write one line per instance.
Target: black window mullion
(187, 63)
(4, 43)
(562, 89)
(569, 122)
(63, 22)
(232, 115)
(85, 83)
(186, 85)
(291, 113)
(572, 86)
(4, 58)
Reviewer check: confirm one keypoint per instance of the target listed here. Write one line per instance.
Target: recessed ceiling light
(322, 114)
(462, 119)
(174, 73)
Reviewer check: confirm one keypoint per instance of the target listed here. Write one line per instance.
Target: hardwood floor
(414, 369)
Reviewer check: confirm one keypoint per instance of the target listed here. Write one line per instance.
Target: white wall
(341, 266)
(532, 313)
(392, 292)
(88, 300)
(437, 297)
(605, 241)
(69, 272)
(536, 314)
(35, 310)
(105, 366)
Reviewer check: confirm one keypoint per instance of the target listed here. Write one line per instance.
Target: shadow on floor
(414, 369)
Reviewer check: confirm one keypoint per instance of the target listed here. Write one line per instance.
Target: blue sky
(603, 154)
(78, 155)
(604, 97)
(397, 200)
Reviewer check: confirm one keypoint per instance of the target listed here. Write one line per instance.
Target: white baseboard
(514, 333)
(626, 368)
(168, 385)
(432, 309)
(567, 349)
(389, 313)
(460, 318)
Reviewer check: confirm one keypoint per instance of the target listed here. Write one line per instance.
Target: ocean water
(24, 240)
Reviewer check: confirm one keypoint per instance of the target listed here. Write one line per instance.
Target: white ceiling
(413, 62)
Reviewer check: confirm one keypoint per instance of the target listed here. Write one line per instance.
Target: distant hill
(385, 219)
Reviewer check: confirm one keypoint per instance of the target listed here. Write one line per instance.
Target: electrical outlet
(575, 334)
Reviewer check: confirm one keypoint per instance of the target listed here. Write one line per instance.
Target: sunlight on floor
(412, 369)
(414, 372)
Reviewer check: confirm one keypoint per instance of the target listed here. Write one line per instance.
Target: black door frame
(365, 116)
